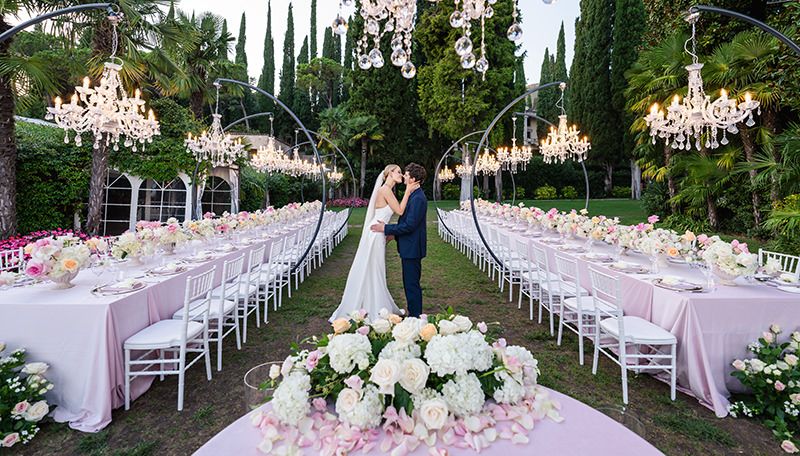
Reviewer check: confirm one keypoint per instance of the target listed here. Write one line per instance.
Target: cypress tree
(327, 45)
(266, 81)
(241, 54)
(546, 98)
(560, 68)
(285, 123)
(348, 63)
(302, 100)
(629, 27)
(313, 43)
(224, 33)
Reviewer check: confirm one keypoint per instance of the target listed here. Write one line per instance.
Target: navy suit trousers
(412, 272)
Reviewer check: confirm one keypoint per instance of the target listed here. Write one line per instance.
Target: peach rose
(395, 319)
(70, 264)
(427, 332)
(340, 325)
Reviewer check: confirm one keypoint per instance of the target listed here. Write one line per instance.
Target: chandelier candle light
(687, 121)
(215, 146)
(446, 174)
(516, 156)
(487, 163)
(107, 110)
(564, 142)
(464, 170)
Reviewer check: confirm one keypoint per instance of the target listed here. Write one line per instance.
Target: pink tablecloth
(80, 335)
(584, 431)
(712, 328)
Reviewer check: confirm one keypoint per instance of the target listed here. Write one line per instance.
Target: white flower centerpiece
(171, 235)
(58, 259)
(423, 380)
(729, 260)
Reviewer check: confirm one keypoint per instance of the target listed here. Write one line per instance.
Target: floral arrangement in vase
(438, 380)
(171, 234)
(131, 245)
(22, 403)
(728, 259)
(773, 376)
(56, 259)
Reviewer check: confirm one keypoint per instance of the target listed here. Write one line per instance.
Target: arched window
(159, 201)
(217, 195)
(116, 204)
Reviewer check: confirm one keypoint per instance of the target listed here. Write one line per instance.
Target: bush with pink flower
(773, 376)
(348, 202)
(22, 403)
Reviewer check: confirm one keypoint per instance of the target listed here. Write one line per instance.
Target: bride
(366, 283)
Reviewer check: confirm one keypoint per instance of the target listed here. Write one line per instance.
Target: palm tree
(704, 178)
(364, 130)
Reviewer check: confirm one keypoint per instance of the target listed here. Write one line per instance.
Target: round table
(583, 431)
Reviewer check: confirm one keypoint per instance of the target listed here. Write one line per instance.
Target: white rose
(464, 324)
(434, 413)
(385, 374)
(447, 327)
(36, 411)
(381, 326)
(414, 375)
(407, 330)
(274, 371)
(347, 400)
(35, 368)
(757, 365)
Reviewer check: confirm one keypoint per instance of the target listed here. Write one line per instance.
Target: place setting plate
(598, 257)
(629, 268)
(201, 257)
(571, 248)
(167, 270)
(552, 241)
(227, 248)
(679, 285)
(118, 288)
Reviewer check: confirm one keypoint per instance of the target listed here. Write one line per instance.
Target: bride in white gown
(366, 283)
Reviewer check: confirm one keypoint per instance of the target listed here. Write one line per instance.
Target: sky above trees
(540, 22)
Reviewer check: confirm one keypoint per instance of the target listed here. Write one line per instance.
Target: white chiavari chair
(577, 310)
(790, 264)
(224, 313)
(621, 338)
(250, 284)
(176, 337)
(11, 260)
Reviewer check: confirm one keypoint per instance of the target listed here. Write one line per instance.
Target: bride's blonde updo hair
(388, 170)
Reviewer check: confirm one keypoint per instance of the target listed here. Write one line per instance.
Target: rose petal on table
(520, 439)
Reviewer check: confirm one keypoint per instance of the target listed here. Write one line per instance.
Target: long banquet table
(712, 328)
(80, 334)
(583, 431)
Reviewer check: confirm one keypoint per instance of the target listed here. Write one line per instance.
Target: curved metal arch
(439, 166)
(743, 17)
(485, 140)
(72, 9)
(245, 118)
(313, 146)
(513, 181)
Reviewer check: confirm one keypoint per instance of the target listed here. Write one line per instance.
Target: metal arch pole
(251, 116)
(313, 146)
(742, 17)
(485, 140)
(583, 165)
(72, 9)
(347, 162)
(438, 167)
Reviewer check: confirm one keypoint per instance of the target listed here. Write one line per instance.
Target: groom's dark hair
(417, 172)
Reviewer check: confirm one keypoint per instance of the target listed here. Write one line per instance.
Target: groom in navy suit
(411, 238)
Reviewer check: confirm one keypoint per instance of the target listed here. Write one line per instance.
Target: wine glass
(98, 267)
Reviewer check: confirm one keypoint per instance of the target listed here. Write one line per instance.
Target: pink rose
(362, 313)
(35, 269)
(20, 408)
(42, 242)
(313, 360)
(768, 337)
(482, 327)
(779, 386)
(702, 238)
(10, 440)
(789, 446)
(172, 228)
(652, 219)
(734, 243)
(364, 330)
(500, 344)
(354, 382)
(319, 404)
(739, 365)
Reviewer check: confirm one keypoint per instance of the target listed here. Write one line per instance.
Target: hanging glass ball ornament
(468, 61)
(397, 43)
(347, 3)
(399, 57)
(339, 25)
(482, 65)
(456, 19)
(463, 46)
(488, 13)
(363, 62)
(409, 70)
(514, 33)
(376, 58)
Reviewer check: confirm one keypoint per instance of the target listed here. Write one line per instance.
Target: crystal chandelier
(516, 156)
(108, 112)
(688, 120)
(335, 176)
(487, 164)
(216, 146)
(269, 159)
(564, 142)
(446, 174)
(339, 25)
(400, 18)
(464, 170)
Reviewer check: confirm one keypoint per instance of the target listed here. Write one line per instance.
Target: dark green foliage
(52, 178)
(545, 192)
(654, 199)
(241, 54)
(569, 192)
(451, 191)
(266, 81)
(313, 33)
(621, 192)
(284, 124)
(302, 93)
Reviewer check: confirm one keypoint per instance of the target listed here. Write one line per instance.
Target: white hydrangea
(290, 401)
(459, 353)
(346, 351)
(512, 390)
(426, 394)
(366, 413)
(464, 395)
(530, 366)
(400, 351)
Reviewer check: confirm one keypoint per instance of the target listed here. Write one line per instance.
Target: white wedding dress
(366, 283)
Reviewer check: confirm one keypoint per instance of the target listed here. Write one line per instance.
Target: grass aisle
(153, 426)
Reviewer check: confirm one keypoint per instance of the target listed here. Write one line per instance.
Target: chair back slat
(197, 300)
(606, 291)
(790, 264)
(11, 260)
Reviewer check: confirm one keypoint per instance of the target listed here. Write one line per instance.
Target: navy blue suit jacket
(409, 232)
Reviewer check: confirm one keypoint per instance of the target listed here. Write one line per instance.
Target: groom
(411, 238)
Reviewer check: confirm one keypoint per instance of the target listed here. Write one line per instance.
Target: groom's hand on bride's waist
(378, 227)
(389, 238)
